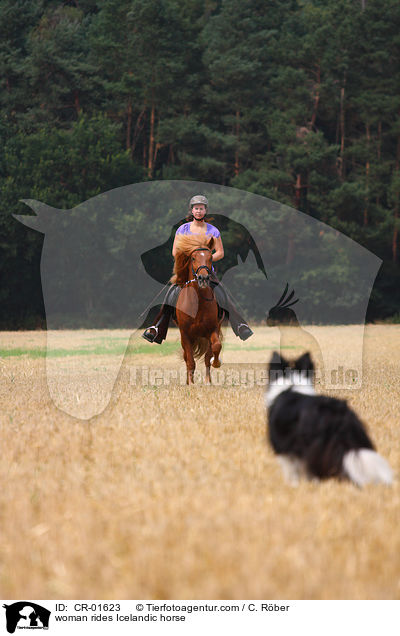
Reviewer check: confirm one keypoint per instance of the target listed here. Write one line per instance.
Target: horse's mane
(185, 244)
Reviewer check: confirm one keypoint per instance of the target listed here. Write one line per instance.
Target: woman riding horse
(197, 225)
(197, 313)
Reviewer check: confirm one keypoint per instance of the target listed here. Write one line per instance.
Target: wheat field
(172, 492)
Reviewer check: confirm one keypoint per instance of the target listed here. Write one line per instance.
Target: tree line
(295, 100)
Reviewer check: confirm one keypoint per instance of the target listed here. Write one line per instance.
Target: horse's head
(193, 260)
(201, 259)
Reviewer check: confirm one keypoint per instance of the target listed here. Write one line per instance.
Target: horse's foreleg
(188, 357)
(207, 362)
(216, 347)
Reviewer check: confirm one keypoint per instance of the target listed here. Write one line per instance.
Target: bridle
(196, 273)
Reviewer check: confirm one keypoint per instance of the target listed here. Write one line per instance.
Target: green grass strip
(166, 349)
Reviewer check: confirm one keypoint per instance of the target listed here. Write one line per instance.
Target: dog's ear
(276, 368)
(304, 363)
(277, 362)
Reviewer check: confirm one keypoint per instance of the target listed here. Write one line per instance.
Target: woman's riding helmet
(198, 199)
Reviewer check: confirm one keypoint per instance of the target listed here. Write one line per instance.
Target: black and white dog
(315, 436)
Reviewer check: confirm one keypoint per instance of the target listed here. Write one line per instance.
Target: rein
(194, 280)
(189, 281)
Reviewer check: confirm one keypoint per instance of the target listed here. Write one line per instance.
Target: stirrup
(150, 337)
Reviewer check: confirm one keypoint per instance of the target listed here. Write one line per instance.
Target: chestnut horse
(196, 307)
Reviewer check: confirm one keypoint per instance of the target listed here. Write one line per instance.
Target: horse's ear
(210, 243)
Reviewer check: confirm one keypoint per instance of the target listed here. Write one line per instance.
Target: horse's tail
(200, 347)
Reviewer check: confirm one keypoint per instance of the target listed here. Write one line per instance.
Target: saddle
(173, 292)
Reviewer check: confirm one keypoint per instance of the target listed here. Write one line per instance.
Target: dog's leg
(293, 469)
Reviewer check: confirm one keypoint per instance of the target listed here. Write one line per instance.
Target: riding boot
(239, 326)
(158, 332)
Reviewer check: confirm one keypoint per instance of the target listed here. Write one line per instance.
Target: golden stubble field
(173, 492)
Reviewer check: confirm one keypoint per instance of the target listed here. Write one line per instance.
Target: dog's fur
(315, 436)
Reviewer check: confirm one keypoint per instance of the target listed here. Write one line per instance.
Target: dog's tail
(365, 466)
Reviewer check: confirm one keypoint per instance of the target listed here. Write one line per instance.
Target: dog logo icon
(26, 615)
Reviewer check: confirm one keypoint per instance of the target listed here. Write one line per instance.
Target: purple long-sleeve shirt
(210, 230)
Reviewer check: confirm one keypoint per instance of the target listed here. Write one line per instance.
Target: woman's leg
(239, 325)
(158, 332)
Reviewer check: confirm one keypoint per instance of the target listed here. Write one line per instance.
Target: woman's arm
(174, 246)
(219, 249)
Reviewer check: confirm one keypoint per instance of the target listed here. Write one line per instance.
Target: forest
(294, 100)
